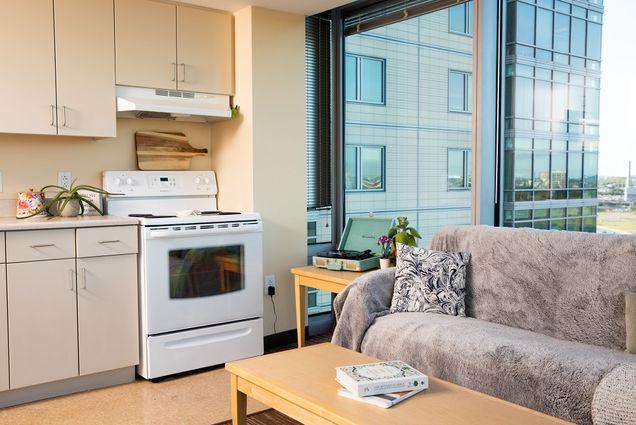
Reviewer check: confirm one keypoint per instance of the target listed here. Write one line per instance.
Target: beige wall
(28, 161)
(271, 94)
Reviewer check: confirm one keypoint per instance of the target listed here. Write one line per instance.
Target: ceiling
(301, 7)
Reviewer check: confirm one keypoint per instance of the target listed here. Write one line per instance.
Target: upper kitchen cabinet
(164, 46)
(205, 51)
(59, 71)
(27, 85)
(85, 55)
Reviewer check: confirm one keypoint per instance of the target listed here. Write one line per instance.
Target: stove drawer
(101, 241)
(39, 245)
(193, 349)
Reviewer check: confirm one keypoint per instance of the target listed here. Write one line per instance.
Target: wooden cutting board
(164, 151)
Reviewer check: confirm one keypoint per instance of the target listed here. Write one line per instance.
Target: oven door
(197, 276)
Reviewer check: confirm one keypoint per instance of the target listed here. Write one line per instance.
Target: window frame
(468, 104)
(466, 169)
(359, 169)
(359, 82)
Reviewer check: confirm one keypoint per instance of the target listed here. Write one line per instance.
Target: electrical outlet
(270, 280)
(64, 179)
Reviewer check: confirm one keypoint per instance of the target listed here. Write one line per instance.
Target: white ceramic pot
(72, 209)
(385, 263)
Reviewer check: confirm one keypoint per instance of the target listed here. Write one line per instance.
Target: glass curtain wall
(408, 120)
(553, 63)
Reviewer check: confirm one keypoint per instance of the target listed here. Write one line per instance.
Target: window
(460, 91)
(364, 79)
(460, 19)
(364, 168)
(459, 169)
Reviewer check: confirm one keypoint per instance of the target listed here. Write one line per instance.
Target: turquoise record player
(358, 249)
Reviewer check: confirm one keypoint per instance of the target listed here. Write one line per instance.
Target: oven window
(201, 272)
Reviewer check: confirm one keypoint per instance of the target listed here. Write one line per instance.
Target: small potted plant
(69, 202)
(385, 243)
(403, 233)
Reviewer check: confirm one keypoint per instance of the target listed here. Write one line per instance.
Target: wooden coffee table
(301, 384)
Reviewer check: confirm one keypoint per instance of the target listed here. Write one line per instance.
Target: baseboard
(282, 339)
(67, 386)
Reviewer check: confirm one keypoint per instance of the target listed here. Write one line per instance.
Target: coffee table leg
(301, 310)
(239, 402)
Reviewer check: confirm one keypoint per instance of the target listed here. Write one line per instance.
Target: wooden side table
(314, 277)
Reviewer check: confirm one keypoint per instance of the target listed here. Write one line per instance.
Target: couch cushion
(429, 281)
(568, 285)
(553, 376)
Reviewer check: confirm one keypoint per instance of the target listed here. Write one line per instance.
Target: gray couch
(545, 321)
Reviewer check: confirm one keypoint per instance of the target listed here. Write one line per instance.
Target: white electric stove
(200, 270)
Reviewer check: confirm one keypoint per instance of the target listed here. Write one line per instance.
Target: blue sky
(618, 89)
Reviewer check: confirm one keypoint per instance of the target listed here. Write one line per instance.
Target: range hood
(140, 102)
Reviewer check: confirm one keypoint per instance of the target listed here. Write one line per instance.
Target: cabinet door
(42, 322)
(4, 338)
(108, 313)
(85, 62)
(27, 49)
(205, 51)
(145, 43)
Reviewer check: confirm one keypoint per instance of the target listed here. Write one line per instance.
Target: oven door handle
(165, 234)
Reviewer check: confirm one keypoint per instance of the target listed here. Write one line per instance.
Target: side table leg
(239, 402)
(301, 310)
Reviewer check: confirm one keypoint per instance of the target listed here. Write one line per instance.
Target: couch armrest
(614, 399)
(366, 298)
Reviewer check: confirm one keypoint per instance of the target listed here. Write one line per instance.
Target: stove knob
(129, 181)
(207, 180)
(197, 180)
(117, 181)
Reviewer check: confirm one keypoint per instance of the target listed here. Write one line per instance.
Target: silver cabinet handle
(52, 123)
(46, 245)
(83, 277)
(113, 241)
(183, 68)
(71, 272)
(63, 116)
(174, 71)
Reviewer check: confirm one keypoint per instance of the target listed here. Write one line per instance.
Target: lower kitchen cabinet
(107, 313)
(4, 338)
(42, 321)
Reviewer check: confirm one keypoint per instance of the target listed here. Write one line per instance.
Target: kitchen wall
(268, 144)
(28, 161)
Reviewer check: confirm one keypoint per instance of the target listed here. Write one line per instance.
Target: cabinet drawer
(100, 241)
(35, 245)
(2, 257)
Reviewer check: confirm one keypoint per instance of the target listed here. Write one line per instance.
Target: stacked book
(383, 384)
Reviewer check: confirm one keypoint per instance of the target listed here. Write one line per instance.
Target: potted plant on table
(385, 243)
(69, 202)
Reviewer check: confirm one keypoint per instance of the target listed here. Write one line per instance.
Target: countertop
(33, 223)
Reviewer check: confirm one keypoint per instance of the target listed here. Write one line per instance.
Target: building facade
(553, 53)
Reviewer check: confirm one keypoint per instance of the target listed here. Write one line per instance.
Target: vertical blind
(318, 109)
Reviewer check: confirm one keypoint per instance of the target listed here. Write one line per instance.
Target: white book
(380, 378)
(382, 400)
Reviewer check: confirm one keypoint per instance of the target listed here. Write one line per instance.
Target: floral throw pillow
(430, 281)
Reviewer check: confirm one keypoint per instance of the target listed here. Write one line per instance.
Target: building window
(364, 168)
(460, 19)
(364, 79)
(460, 91)
(459, 169)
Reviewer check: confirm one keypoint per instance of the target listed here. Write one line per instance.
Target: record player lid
(362, 233)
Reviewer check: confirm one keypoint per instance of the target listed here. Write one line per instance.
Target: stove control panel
(160, 183)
